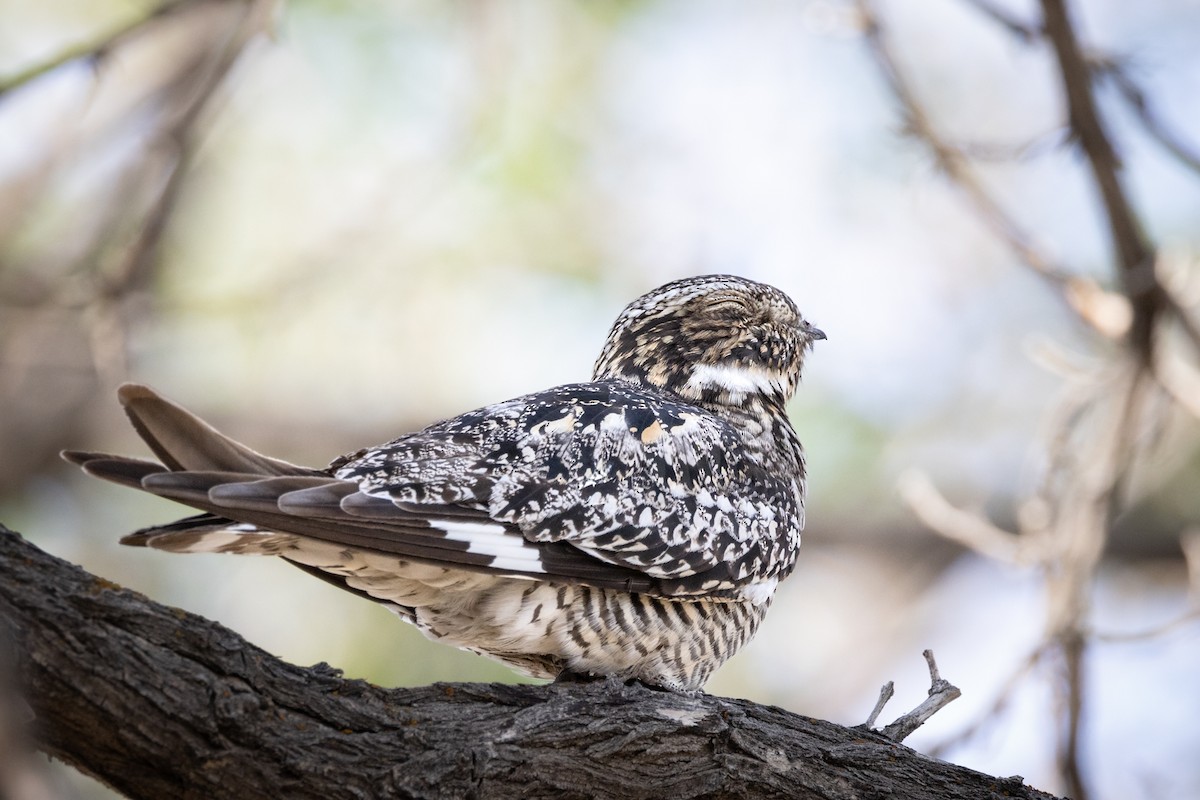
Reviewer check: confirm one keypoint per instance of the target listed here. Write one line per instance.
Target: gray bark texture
(158, 703)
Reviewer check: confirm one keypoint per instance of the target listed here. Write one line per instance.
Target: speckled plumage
(634, 526)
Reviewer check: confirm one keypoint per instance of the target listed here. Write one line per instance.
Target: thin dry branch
(1102, 445)
(1034, 147)
(1189, 543)
(999, 703)
(969, 530)
(1135, 97)
(941, 693)
(1181, 304)
(203, 78)
(1179, 380)
(1135, 253)
(94, 50)
(73, 293)
(1027, 32)
(955, 165)
(122, 261)
(886, 692)
(1104, 66)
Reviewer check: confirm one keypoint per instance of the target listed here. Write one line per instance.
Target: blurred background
(324, 223)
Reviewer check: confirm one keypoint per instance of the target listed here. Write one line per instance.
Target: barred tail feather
(186, 444)
(209, 533)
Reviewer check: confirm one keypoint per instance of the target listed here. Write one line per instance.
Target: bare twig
(970, 530)
(1135, 254)
(126, 260)
(1179, 380)
(941, 693)
(1026, 31)
(885, 694)
(1103, 66)
(207, 76)
(1109, 313)
(1189, 542)
(1020, 151)
(1133, 95)
(954, 163)
(1186, 320)
(1001, 700)
(94, 49)
(83, 280)
(1181, 302)
(1113, 637)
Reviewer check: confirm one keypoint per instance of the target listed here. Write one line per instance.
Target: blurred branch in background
(1109, 418)
(94, 51)
(1190, 542)
(103, 207)
(1118, 72)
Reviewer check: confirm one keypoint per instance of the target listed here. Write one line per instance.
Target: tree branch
(1027, 32)
(941, 693)
(972, 531)
(955, 165)
(157, 702)
(1184, 152)
(1103, 65)
(1135, 254)
(94, 50)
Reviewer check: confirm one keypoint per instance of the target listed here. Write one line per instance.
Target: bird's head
(711, 339)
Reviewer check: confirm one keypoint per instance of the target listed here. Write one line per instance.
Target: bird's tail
(183, 441)
(187, 444)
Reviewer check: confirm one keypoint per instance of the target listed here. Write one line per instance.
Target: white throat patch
(734, 379)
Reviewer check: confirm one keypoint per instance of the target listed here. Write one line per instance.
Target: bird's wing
(600, 483)
(256, 504)
(628, 478)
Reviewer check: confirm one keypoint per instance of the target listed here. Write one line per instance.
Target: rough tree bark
(157, 702)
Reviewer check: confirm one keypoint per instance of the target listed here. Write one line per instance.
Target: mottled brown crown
(713, 339)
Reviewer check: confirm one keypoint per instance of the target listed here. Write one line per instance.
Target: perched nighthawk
(633, 526)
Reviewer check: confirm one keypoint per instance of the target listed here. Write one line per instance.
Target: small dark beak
(814, 332)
